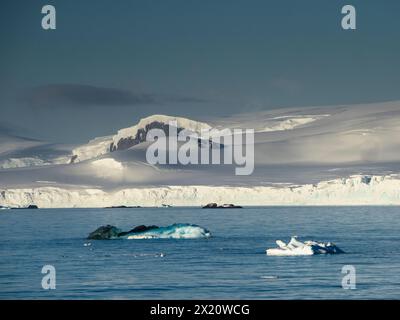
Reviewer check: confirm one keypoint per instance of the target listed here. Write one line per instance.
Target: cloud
(76, 95)
(6, 129)
(286, 85)
(12, 130)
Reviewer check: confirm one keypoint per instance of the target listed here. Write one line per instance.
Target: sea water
(231, 264)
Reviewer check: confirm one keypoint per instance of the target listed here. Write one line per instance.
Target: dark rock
(104, 233)
(126, 143)
(31, 206)
(224, 206)
(210, 205)
(73, 158)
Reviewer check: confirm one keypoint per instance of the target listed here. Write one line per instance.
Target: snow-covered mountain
(129, 137)
(331, 151)
(21, 152)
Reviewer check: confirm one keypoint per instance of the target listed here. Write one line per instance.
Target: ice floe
(306, 248)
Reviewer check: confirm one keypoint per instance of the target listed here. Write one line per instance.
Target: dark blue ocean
(232, 264)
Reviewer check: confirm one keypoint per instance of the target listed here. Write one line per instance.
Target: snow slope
(21, 152)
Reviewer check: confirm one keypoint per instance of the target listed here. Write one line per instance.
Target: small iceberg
(175, 231)
(306, 248)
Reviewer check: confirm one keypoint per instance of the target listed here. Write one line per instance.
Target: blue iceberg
(175, 231)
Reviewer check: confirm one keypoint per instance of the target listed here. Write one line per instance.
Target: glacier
(333, 155)
(355, 190)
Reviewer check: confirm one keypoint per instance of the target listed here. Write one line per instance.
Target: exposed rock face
(140, 136)
(131, 136)
(73, 158)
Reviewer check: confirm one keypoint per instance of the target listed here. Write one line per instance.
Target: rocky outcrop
(140, 136)
(224, 206)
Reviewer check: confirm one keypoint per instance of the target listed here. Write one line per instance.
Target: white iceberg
(306, 248)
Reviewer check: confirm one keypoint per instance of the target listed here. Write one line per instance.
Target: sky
(109, 63)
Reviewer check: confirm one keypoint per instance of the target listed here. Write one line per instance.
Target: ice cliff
(355, 190)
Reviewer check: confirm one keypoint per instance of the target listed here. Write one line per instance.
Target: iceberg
(306, 248)
(175, 231)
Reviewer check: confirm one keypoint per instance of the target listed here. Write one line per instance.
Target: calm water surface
(230, 265)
